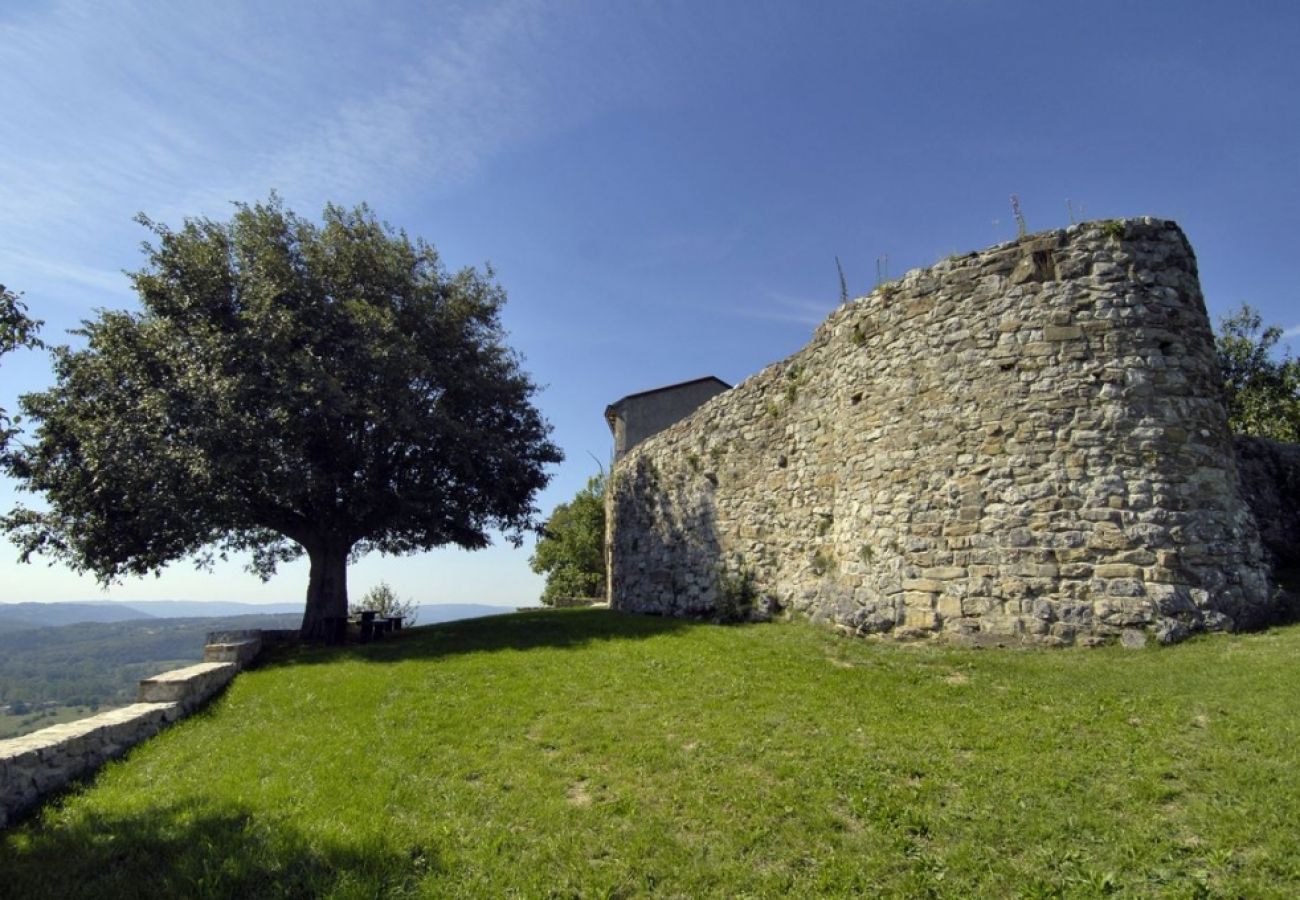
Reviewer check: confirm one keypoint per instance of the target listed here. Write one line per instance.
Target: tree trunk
(327, 589)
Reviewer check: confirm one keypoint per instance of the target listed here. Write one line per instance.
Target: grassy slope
(590, 753)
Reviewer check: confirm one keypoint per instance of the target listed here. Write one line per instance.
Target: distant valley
(59, 661)
(18, 616)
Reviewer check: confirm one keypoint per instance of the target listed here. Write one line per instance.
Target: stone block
(950, 607)
(241, 653)
(1062, 333)
(920, 618)
(1117, 570)
(1133, 639)
(189, 686)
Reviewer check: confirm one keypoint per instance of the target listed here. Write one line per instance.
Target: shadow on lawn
(188, 851)
(568, 628)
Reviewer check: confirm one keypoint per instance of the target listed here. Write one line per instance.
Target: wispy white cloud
(107, 283)
(1293, 331)
(777, 308)
(176, 109)
(180, 108)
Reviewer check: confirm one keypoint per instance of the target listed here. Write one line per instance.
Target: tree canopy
(1262, 391)
(571, 550)
(16, 330)
(287, 388)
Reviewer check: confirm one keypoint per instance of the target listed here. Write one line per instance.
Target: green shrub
(382, 599)
(736, 594)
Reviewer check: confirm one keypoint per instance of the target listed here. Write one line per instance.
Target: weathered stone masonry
(1027, 441)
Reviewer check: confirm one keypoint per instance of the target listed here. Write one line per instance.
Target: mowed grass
(593, 754)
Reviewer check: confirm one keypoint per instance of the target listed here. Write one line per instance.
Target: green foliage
(1113, 228)
(823, 562)
(571, 550)
(844, 284)
(1262, 391)
(666, 759)
(794, 377)
(736, 594)
(16, 330)
(382, 599)
(288, 388)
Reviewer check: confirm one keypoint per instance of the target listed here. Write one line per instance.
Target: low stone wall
(36, 765)
(1027, 442)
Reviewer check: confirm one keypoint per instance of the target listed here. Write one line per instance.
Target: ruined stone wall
(1027, 441)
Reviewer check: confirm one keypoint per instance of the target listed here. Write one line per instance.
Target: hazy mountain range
(18, 616)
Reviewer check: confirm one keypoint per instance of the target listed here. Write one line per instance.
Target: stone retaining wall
(36, 765)
(1024, 442)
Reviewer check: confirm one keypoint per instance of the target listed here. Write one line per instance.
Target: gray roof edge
(668, 387)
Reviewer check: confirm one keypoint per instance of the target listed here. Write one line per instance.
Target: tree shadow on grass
(561, 628)
(212, 850)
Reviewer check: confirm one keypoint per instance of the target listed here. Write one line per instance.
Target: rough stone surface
(190, 686)
(1026, 442)
(40, 763)
(241, 652)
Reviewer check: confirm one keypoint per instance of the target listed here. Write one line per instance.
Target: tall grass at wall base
(589, 753)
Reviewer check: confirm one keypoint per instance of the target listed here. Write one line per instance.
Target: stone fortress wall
(1026, 442)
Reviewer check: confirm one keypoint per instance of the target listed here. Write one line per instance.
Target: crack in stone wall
(1026, 442)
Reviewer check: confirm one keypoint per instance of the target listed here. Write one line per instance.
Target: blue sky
(663, 187)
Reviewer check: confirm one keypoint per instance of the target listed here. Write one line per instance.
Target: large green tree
(571, 549)
(1261, 389)
(287, 388)
(16, 330)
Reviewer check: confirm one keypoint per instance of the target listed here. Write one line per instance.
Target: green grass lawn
(588, 753)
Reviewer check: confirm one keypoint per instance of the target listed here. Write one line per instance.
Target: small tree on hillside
(287, 388)
(382, 599)
(1262, 391)
(571, 550)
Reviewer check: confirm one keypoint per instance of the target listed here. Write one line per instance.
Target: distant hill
(102, 662)
(61, 653)
(36, 615)
(22, 616)
(175, 609)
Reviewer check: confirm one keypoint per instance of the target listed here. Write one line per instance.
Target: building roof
(612, 409)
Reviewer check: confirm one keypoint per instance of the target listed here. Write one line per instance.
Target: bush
(383, 600)
(571, 550)
(1262, 391)
(736, 595)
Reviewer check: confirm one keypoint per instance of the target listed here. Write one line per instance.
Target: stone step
(189, 686)
(241, 653)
